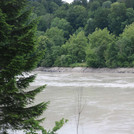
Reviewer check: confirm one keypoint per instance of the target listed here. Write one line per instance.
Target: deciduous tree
(98, 43)
(116, 17)
(75, 47)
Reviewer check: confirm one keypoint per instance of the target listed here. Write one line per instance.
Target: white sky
(69, 1)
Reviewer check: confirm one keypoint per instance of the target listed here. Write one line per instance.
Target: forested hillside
(98, 33)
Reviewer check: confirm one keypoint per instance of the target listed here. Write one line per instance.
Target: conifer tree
(18, 56)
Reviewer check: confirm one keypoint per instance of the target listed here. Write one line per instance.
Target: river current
(106, 101)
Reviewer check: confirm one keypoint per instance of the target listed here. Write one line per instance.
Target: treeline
(98, 33)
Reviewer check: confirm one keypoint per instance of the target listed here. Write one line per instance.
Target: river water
(106, 101)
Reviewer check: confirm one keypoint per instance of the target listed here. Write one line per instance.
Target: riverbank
(85, 70)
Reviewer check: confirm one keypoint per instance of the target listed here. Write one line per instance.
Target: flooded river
(107, 101)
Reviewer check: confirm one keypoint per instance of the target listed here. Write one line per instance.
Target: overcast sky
(69, 1)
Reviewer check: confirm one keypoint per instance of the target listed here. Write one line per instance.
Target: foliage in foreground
(19, 54)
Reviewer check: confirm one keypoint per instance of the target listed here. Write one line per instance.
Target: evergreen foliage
(18, 56)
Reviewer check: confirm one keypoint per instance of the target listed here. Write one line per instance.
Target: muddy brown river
(106, 101)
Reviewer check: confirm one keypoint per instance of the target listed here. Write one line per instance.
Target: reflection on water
(108, 101)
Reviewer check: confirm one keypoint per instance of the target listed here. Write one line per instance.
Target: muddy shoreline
(85, 70)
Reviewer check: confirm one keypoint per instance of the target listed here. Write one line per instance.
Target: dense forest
(47, 33)
(95, 33)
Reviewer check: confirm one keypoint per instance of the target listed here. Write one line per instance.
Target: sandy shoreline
(85, 70)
